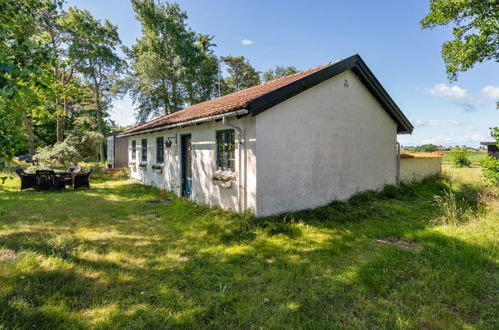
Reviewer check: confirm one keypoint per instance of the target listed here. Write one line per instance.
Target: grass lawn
(104, 258)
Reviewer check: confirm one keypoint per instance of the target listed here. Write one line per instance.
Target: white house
(293, 143)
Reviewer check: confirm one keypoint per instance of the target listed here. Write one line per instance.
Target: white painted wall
(415, 169)
(204, 191)
(324, 144)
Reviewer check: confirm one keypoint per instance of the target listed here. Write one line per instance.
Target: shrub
(86, 143)
(490, 170)
(460, 157)
(59, 154)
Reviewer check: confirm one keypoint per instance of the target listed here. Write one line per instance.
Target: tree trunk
(60, 125)
(29, 131)
(99, 123)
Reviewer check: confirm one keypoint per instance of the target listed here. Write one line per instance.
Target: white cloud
(435, 123)
(491, 92)
(454, 94)
(247, 42)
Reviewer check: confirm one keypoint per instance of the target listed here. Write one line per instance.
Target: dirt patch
(183, 259)
(6, 255)
(398, 243)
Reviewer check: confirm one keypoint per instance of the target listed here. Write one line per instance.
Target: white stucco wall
(415, 169)
(204, 191)
(324, 144)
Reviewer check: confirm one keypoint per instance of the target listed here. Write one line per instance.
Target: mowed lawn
(105, 258)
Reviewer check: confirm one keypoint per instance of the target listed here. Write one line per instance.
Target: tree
(171, 64)
(426, 148)
(476, 32)
(241, 74)
(92, 50)
(490, 164)
(51, 24)
(23, 50)
(278, 72)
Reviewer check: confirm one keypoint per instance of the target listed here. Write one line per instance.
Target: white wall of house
(324, 144)
(415, 169)
(204, 190)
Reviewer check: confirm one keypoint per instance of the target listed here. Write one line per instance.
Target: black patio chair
(82, 179)
(27, 180)
(45, 180)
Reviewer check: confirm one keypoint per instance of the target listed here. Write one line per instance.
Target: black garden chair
(45, 180)
(27, 180)
(82, 180)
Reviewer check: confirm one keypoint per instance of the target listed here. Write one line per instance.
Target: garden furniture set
(48, 180)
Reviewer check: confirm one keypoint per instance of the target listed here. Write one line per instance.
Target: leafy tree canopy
(476, 32)
(241, 74)
(278, 72)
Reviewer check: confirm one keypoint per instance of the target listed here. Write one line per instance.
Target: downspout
(240, 183)
(397, 179)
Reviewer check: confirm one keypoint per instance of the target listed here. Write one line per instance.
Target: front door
(186, 144)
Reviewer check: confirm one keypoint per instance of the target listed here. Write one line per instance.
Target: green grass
(103, 258)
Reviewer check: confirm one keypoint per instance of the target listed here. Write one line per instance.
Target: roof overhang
(238, 113)
(354, 63)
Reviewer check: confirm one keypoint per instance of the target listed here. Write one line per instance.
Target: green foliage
(426, 148)
(490, 169)
(241, 74)
(86, 143)
(476, 32)
(171, 64)
(92, 49)
(61, 153)
(460, 157)
(78, 146)
(278, 72)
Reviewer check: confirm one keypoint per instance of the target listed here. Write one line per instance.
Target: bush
(490, 170)
(76, 147)
(86, 143)
(460, 157)
(59, 154)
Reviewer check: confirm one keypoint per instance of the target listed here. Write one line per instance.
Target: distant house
(492, 149)
(293, 143)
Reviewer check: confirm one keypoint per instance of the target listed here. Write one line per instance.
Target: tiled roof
(224, 104)
(422, 155)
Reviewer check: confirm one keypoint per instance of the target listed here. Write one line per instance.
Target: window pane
(160, 150)
(226, 150)
(134, 149)
(144, 150)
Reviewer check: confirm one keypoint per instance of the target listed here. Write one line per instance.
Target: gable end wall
(324, 144)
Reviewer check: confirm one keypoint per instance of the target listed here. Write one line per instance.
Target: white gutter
(241, 177)
(397, 178)
(190, 122)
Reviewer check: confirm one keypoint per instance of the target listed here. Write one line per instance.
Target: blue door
(186, 144)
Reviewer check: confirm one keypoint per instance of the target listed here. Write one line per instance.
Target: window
(160, 150)
(144, 150)
(226, 155)
(134, 150)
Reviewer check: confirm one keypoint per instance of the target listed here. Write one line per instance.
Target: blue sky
(386, 34)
